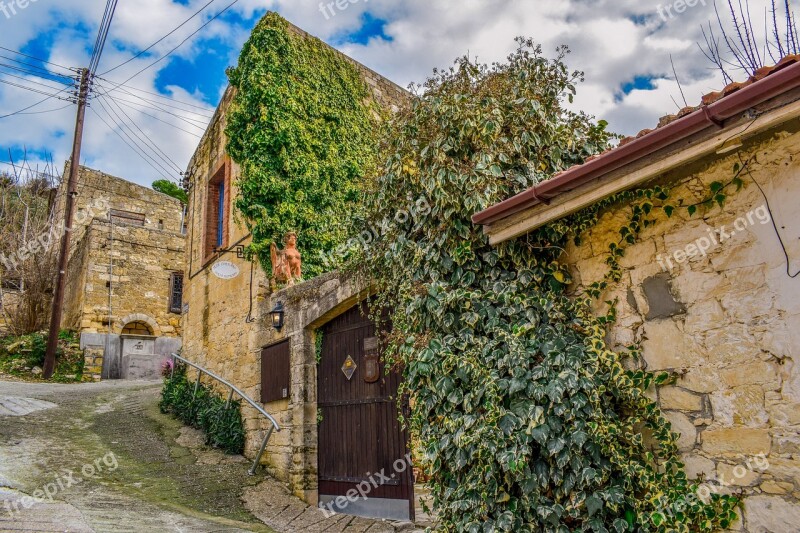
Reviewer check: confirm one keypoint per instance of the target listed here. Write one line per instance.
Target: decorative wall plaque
(225, 270)
(349, 368)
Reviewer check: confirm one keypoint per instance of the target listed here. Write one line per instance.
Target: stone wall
(725, 320)
(142, 255)
(227, 324)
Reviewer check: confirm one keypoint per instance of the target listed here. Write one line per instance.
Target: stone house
(124, 275)
(228, 330)
(712, 296)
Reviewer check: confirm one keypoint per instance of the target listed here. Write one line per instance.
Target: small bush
(21, 356)
(206, 411)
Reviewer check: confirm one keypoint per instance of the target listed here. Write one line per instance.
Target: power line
(54, 74)
(153, 102)
(48, 110)
(150, 160)
(181, 25)
(38, 59)
(29, 80)
(34, 73)
(29, 89)
(156, 118)
(212, 19)
(21, 111)
(146, 138)
(102, 35)
(126, 87)
(187, 120)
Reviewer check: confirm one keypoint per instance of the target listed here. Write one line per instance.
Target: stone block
(776, 487)
(736, 441)
(697, 466)
(665, 346)
(738, 475)
(678, 399)
(765, 373)
(771, 514)
(742, 406)
(704, 315)
(685, 429)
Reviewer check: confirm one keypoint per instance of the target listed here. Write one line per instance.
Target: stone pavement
(101, 457)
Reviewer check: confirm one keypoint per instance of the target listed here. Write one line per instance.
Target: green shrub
(206, 410)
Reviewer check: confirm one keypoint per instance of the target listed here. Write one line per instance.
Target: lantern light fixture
(277, 315)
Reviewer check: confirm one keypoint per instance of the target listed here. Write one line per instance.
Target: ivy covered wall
(303, 127)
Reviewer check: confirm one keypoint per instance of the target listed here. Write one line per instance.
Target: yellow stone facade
(725, 319)
(227, 323)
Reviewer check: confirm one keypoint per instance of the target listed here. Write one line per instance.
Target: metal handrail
(234, 389)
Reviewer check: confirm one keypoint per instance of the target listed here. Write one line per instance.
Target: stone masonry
(725, 321)
(126, 245)
(227, 323)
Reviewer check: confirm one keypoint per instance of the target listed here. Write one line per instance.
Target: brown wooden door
(362, 445)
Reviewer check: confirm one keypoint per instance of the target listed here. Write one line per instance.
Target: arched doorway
(361, 444)
(138, 357)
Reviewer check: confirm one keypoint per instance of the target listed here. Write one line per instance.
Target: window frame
(217, 211)
(173, 278)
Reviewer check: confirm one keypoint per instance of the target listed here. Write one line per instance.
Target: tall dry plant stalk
(742, 50)
(27, 280)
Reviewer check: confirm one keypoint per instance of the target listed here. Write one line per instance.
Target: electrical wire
(144, 153)
(166, 158)
(47, 111)
(181, 25)
(58, 79)
(124, 141)
(49, 95)
(774, 223)
(206, 109)
(154, 103)
(156, 118)
(49, 73)
(102, 35)
(197, 123)
(38, 59)
(29, 80)
(154, 63)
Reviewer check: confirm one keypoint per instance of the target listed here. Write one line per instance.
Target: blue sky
(623, 46)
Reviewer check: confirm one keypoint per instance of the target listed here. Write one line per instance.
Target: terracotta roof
(671, 128)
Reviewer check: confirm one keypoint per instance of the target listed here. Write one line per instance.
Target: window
(176, 293)
(217, 211)
(126, 217)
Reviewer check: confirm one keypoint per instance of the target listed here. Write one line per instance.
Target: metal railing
(243, 396)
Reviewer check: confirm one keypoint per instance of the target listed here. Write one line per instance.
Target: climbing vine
(526, 419)
(303, 127)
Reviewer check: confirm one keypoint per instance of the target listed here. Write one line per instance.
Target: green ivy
(205, 410)
(527, 420)
(303, 127)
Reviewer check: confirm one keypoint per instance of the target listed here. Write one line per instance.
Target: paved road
(101, 457)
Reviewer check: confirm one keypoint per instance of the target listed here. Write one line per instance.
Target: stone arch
(336, 297)
(145, 319)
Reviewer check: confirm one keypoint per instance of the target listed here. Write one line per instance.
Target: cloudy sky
(148, 128)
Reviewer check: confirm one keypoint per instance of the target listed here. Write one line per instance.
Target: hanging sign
(225, 270)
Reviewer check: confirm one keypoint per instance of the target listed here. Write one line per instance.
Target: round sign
(225, 270)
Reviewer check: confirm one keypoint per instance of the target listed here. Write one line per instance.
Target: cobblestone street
(101, 457)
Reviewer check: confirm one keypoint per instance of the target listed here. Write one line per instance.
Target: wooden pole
(69, 211)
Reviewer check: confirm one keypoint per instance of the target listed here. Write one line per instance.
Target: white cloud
(612, 41)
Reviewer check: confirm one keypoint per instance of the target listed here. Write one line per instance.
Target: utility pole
(69, 211)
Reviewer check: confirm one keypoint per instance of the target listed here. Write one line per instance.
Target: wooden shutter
(275, 372)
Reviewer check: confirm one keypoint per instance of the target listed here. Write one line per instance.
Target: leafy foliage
(19, 355)
(303, 127)
(171, 189)
(206, 410)
(527, 420)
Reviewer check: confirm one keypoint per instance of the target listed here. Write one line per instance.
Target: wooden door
(362, 446)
